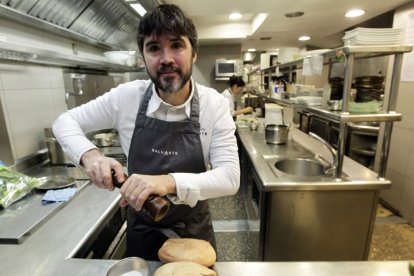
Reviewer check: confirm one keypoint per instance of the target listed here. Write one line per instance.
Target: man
(171, 129)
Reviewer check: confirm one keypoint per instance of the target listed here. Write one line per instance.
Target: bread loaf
(190, 250)
(184, 269)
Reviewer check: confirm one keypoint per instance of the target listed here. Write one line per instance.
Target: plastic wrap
(14, 186)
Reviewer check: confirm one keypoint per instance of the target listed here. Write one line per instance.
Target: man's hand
(138, 187)
(248, 109)
(98, 167)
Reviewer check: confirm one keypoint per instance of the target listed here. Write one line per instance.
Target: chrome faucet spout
(329, 147)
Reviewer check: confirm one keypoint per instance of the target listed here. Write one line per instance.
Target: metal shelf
(17, 52)
(358, 51)
(387, 115)
(346, 117)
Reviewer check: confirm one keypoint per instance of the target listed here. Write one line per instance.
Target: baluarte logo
(165, 152)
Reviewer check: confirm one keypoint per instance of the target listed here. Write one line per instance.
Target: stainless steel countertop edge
(48, 251)
(357, 177)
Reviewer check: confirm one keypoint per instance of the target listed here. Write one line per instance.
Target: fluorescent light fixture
(139, 9)
(354, 13)
(304, 38)
(257, 21)
(251, 50)
(235, 16)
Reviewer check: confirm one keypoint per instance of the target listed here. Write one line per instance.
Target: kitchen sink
(305, 168)
(300, 167)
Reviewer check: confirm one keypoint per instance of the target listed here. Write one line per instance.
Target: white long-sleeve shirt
(117, 109)
(230, 98)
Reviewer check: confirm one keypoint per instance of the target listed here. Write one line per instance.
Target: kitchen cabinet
(310, 217)
(386, 116)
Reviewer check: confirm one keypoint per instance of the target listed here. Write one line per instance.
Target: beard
(170, 84)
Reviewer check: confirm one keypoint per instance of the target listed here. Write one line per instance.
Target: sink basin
(300, 167)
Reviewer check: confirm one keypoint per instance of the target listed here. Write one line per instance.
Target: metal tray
(55, 182)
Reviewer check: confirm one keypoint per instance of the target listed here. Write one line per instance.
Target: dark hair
(164, 20)
(236, 80)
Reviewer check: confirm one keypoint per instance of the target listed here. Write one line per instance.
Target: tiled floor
(393, 237)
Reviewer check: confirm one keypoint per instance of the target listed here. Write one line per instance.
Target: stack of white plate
(373, 36)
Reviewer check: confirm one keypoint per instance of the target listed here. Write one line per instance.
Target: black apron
(160, 147)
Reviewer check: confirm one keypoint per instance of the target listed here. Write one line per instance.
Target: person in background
(236, 85)
(171, 128)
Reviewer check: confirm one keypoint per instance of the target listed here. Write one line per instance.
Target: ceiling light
(354, 13)
(235, 16)
(251, 50)
(304, 38)
(139, 9)
(294, 14)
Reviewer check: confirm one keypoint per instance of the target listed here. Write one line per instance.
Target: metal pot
(103, 139)
(56, 154)
(276, 134)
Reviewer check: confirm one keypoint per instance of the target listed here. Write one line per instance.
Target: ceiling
(113, 24)
(323, 21)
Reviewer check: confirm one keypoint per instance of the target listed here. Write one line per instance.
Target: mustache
(168, 69)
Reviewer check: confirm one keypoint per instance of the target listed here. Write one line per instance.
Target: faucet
(332, 169)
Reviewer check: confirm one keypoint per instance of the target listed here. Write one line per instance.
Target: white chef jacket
(117, 109)
(230, 97)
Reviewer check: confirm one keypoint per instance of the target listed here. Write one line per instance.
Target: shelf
(16, 52)
(387, 113)
(346, 117)
(365, 152)
(359, 51)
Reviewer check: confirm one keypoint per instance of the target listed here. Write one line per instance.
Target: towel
(60, 195)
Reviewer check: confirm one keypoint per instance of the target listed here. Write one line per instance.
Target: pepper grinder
(155, 206)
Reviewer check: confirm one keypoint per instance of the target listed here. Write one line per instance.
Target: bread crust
(191, 250)
(184, 269)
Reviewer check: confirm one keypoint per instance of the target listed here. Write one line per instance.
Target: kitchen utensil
(334, 104)
(55, 182)
(129, 266)
(276, 134)
(104, 139)
(155, 206)
(254, 125)
(56, 154)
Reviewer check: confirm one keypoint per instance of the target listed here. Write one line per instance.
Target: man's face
(169, 61)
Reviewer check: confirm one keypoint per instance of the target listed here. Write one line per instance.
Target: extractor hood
(107, 24)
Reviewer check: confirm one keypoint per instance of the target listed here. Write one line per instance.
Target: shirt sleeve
(230, 99)
(224, 177)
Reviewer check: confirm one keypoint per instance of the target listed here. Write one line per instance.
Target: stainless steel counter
(49, 250)
(262, 156)
(307, 218)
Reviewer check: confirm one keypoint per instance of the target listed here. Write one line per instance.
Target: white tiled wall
(33, 95)
(400, 168)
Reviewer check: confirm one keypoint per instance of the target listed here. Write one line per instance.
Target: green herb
(14, 186)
